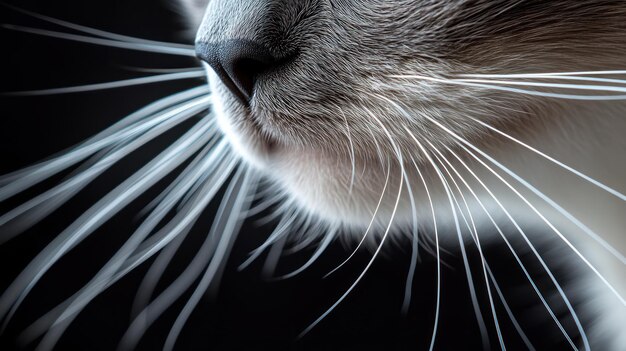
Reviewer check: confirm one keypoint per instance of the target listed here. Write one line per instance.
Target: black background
(249, 311)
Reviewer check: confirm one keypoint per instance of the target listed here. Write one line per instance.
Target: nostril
(238, 63)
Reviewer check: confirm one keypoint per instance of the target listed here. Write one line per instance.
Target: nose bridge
(226, 20)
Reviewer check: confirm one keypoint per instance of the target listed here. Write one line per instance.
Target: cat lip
(240, 119)
(256, 140)
(266, 145)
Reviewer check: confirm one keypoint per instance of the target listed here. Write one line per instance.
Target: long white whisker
(438, 302)
(112, 85)
(518, 327)
(300, 244)
(107, 272)
(400, 160)
(561, 210)
(506, 241)
(352, 155)
(515, 255)
(101, 212)
(468, 273)
(217, 159)
(516, 90)
(463, 143)
(160, 49)
(557, 162)
(441, 158)
(369, 226)
(568, 78)
(157, 112)
(229, 234)
(162, 70)
(547, 85)
(149, 283)
(64, 313)
(184, 174)
(379, 151)
(273, 257)
(53, 198)
(281, 230)
(189, 215)
(97, 32)
(414, 250)
(328, 239)
(540, 75)
(203, 257)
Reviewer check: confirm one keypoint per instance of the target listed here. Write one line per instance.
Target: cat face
(336, 99)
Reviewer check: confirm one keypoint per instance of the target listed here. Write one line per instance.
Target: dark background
(250, 311)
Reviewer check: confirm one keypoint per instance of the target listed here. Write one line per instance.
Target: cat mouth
(243, 130)
(268, 144)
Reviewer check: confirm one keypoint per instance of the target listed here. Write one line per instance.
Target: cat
(467, 121)
(382, 70)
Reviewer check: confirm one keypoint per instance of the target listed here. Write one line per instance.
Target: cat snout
(238, 63)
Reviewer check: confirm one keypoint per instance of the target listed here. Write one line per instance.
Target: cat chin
(317, 184)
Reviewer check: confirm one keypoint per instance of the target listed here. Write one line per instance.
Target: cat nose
(238, 63)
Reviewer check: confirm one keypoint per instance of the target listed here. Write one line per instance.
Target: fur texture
(494, 128)
(365, 83)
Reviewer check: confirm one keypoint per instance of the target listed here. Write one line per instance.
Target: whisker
(438, 302)
(463, 143)
(96, 32)
(414, 250)
(111, 85)
(515, 255)
(157, 112)
(524, 75)
(137, 46)
(99, 213)
(96, 285)
(475, 236)
(358, 279)
(178, 226)
(547, 85)
(148, 285)
(557, 162)
(272, 259)
(328, 239)
(369, 226)
(398, 154)
(470, 281)
(516, 324)
(208, 151)
(278, 212)
(352, 156)
(162, 70)
(560, 209)
(55, 197)
(379, 151)
(189, 215)
(516, 90)
(300, 244)
(241, 186)
(203, 257)
(519, 229)
(559, 288)
(575, 78)
(267, 203)
(281, 230)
